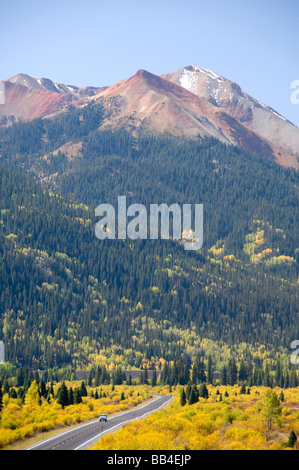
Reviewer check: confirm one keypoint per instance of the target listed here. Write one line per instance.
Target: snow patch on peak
(209, 73)
(212, 74)
(23, 79)
(191, 74)
(188, 79)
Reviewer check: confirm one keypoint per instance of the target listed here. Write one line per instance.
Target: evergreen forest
(68, 299)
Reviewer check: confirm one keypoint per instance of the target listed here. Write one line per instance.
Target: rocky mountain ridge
(191, 101)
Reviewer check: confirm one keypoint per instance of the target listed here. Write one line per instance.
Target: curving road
(86, 435)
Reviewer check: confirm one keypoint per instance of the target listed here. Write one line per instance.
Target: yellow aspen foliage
(32, 396)
(235, 422)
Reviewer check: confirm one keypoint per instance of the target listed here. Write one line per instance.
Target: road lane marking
(96, 421)
(125, 422)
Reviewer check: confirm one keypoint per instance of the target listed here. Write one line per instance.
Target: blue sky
(254, 43)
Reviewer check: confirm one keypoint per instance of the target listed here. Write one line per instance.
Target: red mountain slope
(26, 98)
(263, 121)
(161, 105)
(191, 101)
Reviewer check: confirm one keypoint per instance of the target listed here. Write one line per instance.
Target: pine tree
(1, 396)
(97, 376)
(154, 378)
(267, 382)
(71, 396)
(77, 396)
(242, 373)
(62, 395)
(292, 439)
(43, 389)
(145, 375)
(223, 376)
(188, 390)
(203, 391)
(232, 372)
(83, 390)
(278, 374)
(210, 378)
(13, 393)
(198, 371)
(183, 399)
(193, 395)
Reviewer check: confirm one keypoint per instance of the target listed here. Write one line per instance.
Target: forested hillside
(68, 298)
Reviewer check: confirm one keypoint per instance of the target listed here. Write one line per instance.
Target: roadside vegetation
(67, 404)
(239, 406)
(229, 418)
(201, 416)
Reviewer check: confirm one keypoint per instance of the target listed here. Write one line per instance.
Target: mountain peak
(143, 73)
(197, 69)
(35, 83)
(28, 97)
(24, 80)
(149, 77)
(192, 76)
(256, 117)
(190, 101)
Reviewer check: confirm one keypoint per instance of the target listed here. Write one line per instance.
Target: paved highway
(86, 435)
